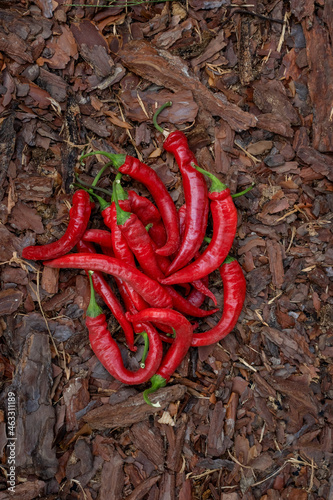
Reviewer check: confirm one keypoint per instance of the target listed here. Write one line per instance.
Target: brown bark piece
(302, 8)
(183, 109)
(215, 438)
(7, 146)
(274, 251)
(175, 438)
(24, 217)
(50, 279)
(35, 417)
(244, 53)
(134, 410)
(10, 301)
(149, 441)
(271, 97)
(320, 163)
(319, 84)
(16, 48)
(171, 72)
(224, 141)
(140, 491)
(28, 490)
(214, 46)
(93, 47)
(112, 478)
(33, 188)
(275, 123)
(76, 397)
(167, 486)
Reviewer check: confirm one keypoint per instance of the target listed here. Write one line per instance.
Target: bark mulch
(251, 84)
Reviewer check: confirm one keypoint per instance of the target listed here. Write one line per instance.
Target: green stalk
(122, 216)
(216, 186)
(93, 309)
(156, 383)
(117, 160)
(145, 350)
(157, 112)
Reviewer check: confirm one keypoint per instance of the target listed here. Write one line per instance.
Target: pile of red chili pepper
(153, 253)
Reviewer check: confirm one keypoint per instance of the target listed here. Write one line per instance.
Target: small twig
(260, 16)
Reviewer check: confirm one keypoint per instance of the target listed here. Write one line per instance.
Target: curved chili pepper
(195, 297)
(137, 238)
(108, 352)
(158, 234)
(224, 215)
(104, 290)
(196, 196)
(147, 176)
(148, 288)
(78, 220)
(99, 236)
(143, 208)
(234, 292)
(178, 349)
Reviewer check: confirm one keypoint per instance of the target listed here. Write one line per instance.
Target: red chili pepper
(196, 297)
(234, 292)
(196, 196)
(78, 220)
(176, 352)
(143, 208)
(108, 353)
(148, 288)
(224, 215)
(137, 238)
(104, 290)
(99, 236)
(147, 176)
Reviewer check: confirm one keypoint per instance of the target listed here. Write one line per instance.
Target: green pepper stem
(91, 186)
(157, 112)
(236, 195)
(228, 259)
(100, 173)
(122, 216)
(156, 383)
(145, 350)
(93, 309)
(216, 186)
(117, 160)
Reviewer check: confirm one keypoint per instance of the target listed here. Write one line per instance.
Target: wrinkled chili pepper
(136, 237)
(78, 220)
(143, 208)
(234, 292)
(178, 349)
(147, 176)
(148, 288)
(108, 352)
(224, 215)
(104, 290)
(195, 192)
(99, 236)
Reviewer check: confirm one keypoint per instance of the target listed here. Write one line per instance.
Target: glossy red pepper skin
(99, 236)
(78, 220)
(224, 215)
(147, 176)
(121, 249)
(139, 242)
(234, 292)
(143, 208)
(181, 343)
(149, 289)
(108, 353)
(196, 199)
(105, 291)
(196, 297)
(158, 234)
